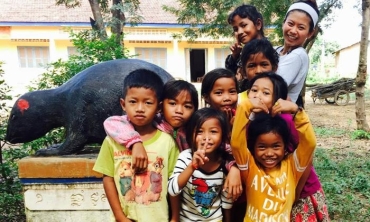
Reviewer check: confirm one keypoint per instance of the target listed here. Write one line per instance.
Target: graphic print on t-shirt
(142, 188)
(204, 194)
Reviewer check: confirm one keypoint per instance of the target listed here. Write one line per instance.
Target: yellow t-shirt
(271, 193)
(242, 96)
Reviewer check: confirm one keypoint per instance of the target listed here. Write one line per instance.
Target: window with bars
(33, 56)
(220, 56)
(72, 51)
(156, 56)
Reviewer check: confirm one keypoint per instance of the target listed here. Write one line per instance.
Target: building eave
(87, 24)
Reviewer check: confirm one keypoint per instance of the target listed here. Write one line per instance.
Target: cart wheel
(330, 100)
(341, 97)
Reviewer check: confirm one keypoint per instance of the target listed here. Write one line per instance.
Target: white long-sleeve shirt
(293, 67)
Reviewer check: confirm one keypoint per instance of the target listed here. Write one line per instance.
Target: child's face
(256, 64)
(269, 150)
(264, 90)
(178, 111)
(141, 106)
(245, 30)
(224, 95)
(296, 29)
(210, 132)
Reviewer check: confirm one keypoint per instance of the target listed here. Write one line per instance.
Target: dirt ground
(338, 118)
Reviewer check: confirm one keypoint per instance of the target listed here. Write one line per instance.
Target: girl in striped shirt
(200, 172)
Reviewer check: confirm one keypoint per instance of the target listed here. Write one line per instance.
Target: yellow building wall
(57, 39)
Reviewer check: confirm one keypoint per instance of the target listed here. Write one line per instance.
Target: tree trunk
(118, 22)
(99, 22)
(308, 45)
(362, 68)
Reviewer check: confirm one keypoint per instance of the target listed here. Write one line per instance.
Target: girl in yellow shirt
(269, 172)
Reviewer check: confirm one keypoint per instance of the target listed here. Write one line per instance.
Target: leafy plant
(360, 134)
(11, 198)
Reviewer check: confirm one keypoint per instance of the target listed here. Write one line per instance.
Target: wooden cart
(336, 92)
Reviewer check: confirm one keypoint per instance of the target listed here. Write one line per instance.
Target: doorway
(197, 64)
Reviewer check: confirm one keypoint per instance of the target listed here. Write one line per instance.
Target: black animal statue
(80, 106)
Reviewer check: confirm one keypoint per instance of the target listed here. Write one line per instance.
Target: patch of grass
(346, 183)
(329, 132)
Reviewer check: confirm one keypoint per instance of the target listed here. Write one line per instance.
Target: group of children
(247, 156)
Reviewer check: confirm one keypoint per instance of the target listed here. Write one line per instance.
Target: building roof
(46, 11)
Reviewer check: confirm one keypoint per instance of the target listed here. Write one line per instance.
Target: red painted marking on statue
(23, 105)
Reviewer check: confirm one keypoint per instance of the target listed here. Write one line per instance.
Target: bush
(11, 198)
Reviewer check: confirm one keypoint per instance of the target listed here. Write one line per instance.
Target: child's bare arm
(113, 199)
(226, 207)
(236, 48)
(121, 130)
(226, 215)
(175, 208)
(139, 157)
(233, 185)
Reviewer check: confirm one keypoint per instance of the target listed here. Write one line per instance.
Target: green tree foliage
(109, 14)
(317, 50)
(205, 18)
(11, 199)
(209, 17)
(4, 109)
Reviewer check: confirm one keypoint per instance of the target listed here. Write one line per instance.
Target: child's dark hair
(197, 120)
(256, 46)
(314, 6)
(247, 11)
(265, 123)
(174, 87)
(143, 78)
(211, 77)
(280, 87)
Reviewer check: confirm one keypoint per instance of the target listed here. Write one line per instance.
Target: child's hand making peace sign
(199, 156)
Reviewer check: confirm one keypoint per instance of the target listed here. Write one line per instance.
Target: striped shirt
(202, 197)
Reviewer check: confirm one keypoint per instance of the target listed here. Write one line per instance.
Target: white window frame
(33, 56)
(220, 57)
(157, 56)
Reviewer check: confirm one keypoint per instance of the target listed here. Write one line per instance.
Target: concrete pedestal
(63, 189)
